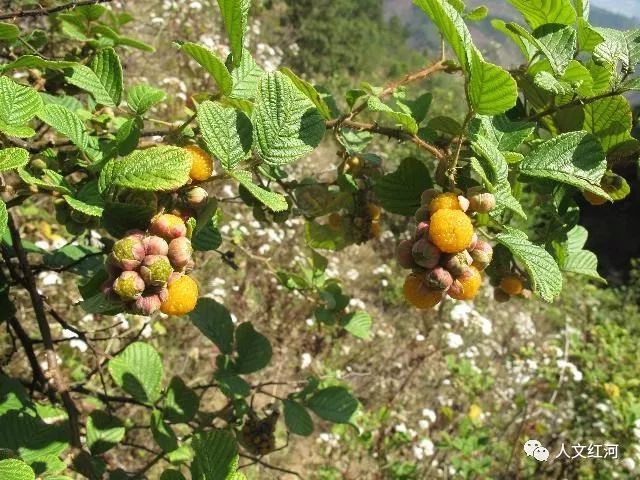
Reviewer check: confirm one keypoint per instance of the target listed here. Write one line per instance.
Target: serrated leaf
(103, 432)
(234, 16)
(142, 97)
(274, 201)
(103, 80)
(399, 192)
(162, 433)
(527, 49)
(14, 469)
(118, 217)
(547, 82)
(215, 455)
(232, 385)
(211, 63)
(8, 31)
(181, 403)
(577, 238)
(311, 93)
(544, 273)
(11, 158)
(297, 418)
(584, 263)
(618, 47)
(557, 42)
(500, 130)
(18, 105)
(610, 119)
(138, 371)
(358, 324)
(492, 89)
(574, 158)
(172, 475)
(67, 123)
(207, 238)
(324, 237)
(406, 121)
(334, 404)
(214, 321)
(227, 132)
(88, 200)
(34, 61)
(246, 78)
(161, 168)
(253, 348)
(50, 180)
(540, 12)
(287, 126)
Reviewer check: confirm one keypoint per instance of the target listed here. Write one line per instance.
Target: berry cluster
(258, 434)
(148, 270)
(445, 254)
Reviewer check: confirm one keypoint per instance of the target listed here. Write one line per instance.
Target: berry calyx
(182, 297)
(467, 286)
(201, 163)
(168, 226)
(450, 230)
(480, 200)
(180, 252)
(156, 270)
(444, 201)
(512, 285)
(128, 253)
(129, 285)
(482, 255)
(155, 245)
(417, 293)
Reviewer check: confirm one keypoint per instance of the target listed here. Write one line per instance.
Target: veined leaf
(88, 200)
(8, 31)
(246, 77)
(33, 61)
(334, 404)
(211, 63)
(11, 158)
(541, 12)
(610, 119)
(584, 263)
(310, 91)
(14, 469)
(399, 192)
(138, 371)
(274, 201)
(358, 324)
(254, 349)
(216, 454)
(67, 123)
(501, 131)
(234, 16)
(557, 42)
(544, 273)
(103, 432)
(547, 82)
(142, 97)
(405, 120)
(492, 89)
(4, 219)
(181, 403)
(214, 321)
(297, 418)
(18, 105)
(527, 49)
(103, 80)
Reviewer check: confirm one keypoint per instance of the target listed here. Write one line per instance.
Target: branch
(575, 103)
(40, 12)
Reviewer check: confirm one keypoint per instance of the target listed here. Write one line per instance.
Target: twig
(40, 12)
(574, 103)
(267, 465)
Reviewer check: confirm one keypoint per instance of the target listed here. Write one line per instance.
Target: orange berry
(511, 285)
(182, 298)
(444, 201)
(418, 294)
(593, 199)
(201, 163)
(450, 230)
(467, 286)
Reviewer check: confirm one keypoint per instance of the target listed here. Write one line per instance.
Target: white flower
(401, 428)
(427, 447)
(420, 338)
(43, 244)
(454, 340)
(353, 274)
(429, 414)
(424, 424)
(306, 360)
(146, 331)
(50, 278)
(195, 6)
(76, 342)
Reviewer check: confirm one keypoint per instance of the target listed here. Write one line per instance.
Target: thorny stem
(41, 12)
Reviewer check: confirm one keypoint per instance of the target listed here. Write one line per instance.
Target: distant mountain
(629, 8)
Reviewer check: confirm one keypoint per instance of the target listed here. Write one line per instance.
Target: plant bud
(128, 252)
(464, 203)
(139, 234)
(196, 196)
(426, 254)
(474, 242)
(168, 226)
(439, 279)
(480, 200)
(482, 254)
(146, 305)
(129, 286)
(180, 252)
(163, 294)
(422, 231)
(500, 295)
(404, 255)
(456, 289)
(188, 268)
(173, 277)
(155, 246)
(458, 263)
(526, 294)
(422, 214)
(156, 270)
(428, 195)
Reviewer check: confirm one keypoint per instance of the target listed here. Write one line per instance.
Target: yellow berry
(511, 285)
(182, 298)
(593, 199)
(444, 201)
(467, 286)
(201, 163)
(612, 390)
(418, 294)
(450, 230)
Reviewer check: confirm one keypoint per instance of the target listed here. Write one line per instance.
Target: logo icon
(533, 448)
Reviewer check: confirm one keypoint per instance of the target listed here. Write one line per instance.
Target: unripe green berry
(156, 270)
(128, 252)
(196, 196)
(180, 252)
(129, 286)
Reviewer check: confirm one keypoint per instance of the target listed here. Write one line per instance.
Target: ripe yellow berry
(444, 201)
(182, 298)
(450, 230)
(593, 199)
(511, 285)
(418, 294)
(467, 286)
(201, 163)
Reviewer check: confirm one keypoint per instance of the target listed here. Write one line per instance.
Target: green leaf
(227, 132)
(527, 49)
(501, 131)
(162, 433)
(4, 219)
(246, 78)
(254, 349)
(618, 47)
(547, 82)
(33, 61)
(103, 432)
(544, 274)
(211, 63)
(574, 158)
(405, 120)
(142, 97)
(297, 418)
(492, 90)
(103, 79)
(161, 168)
(67, 123)
(8, 31)
(138, 371)
(215, 455)
(287, 124)
(274, 201)
(583, 8)
(181, 403)
(324, 237)
(14, 469)
(11, 158)
(234, 16)
(18, 105)
(214, 321)
(50, 180)
(207, 238)
(478, 13)
(540, 12)
(557, 42)
(119, 217)
(232, 385)
(358, 324)
(610, 119)
(334, 404)
(399, 192)
(584, 263)
(616, 186)
(310, 92)
(172, 475)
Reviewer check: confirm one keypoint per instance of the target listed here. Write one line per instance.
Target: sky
(630, 8)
